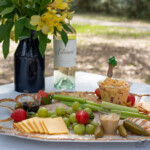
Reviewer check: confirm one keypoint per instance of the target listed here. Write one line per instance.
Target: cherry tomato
(97, 92)
(41, 94)
(82, 117)
(131, 99)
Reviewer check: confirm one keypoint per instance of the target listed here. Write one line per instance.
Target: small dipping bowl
(109, 122)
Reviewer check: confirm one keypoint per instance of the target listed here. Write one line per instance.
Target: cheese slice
(23, 127)
(18, 127)
(25, 123)
(32, 125)
(43, 127)
(55, 126)
(38, 125)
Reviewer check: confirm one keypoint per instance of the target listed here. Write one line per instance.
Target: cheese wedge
(55, 126)
(43, 127)
(18, 127)
(32, 125)
(23, 127)
(25, 123)
(38, 125)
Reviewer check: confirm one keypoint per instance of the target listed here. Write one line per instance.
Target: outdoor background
(105, 28)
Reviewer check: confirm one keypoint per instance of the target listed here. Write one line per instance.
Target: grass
(120, 32)
(104, 17)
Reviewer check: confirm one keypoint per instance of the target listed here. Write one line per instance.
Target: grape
(75, 106)
(67, 122)
(54, 115)
(90, 129)
(94, 123)
(75, 123)
(80, 108)
(60, 111)
(69, 111)
(72, 118)
(88, 110)
(79, 129)
(43, 112)
(66, 115)
(50, 113)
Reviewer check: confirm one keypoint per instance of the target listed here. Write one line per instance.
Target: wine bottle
(65, 61)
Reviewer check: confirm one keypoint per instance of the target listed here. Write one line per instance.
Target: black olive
(31, 106)
(25, 105)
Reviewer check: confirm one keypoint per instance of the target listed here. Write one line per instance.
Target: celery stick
(125, 114)
(69, 98)
(94, 108)
(70, 104)
(93, 103)
(118, 107)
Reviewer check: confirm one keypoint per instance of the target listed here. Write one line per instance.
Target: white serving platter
(6, 128)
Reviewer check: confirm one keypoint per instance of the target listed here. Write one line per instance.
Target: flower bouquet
(20, 17)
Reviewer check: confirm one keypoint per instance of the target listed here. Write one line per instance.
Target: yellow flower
(35, 20)
(48, 21)
(59, 4)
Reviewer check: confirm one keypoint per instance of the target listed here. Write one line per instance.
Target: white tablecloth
(84, 82)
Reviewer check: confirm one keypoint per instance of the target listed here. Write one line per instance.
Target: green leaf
(3, 3)
(5, 46)
(47, 100)
(64, 37)
(19, 25)
(28, 25)
(66, 27)
(48, 41)
(42, 43)
(55, 31)
(45, 2)
(7, 10)
(5, 30)
(26, 33)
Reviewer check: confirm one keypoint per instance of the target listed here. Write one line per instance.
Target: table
(84, 82)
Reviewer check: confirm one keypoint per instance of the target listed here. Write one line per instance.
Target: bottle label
(64, 56)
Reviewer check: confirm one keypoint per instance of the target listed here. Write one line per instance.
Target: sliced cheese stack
(43, 126)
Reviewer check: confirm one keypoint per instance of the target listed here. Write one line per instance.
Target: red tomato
(97, 92)
(19, 115)
(82, 117)
(41, 94)
(131, 99)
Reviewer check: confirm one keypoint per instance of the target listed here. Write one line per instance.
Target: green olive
(18, 105)
(99, 132)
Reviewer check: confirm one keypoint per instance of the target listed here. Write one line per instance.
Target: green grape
(75, 106)
(60, 111)
(50, 113)
(88, 110)
(43, 112)
(72, 118)
(75, 123)
(79, 129)
(80, 108)
(94, 123)
(54, 115)
(66, 115)
(90, 129)
(67, 122)
(69, 111)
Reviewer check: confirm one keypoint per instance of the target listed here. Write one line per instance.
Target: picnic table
(84, 82)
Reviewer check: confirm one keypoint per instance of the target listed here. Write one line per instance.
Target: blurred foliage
(129, 8)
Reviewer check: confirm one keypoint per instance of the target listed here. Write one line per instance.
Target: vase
(29, 66)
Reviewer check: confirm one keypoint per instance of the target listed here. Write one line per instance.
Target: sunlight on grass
(103, 17)
(120, 32)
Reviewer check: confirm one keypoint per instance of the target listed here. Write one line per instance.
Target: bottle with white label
(65, 62)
